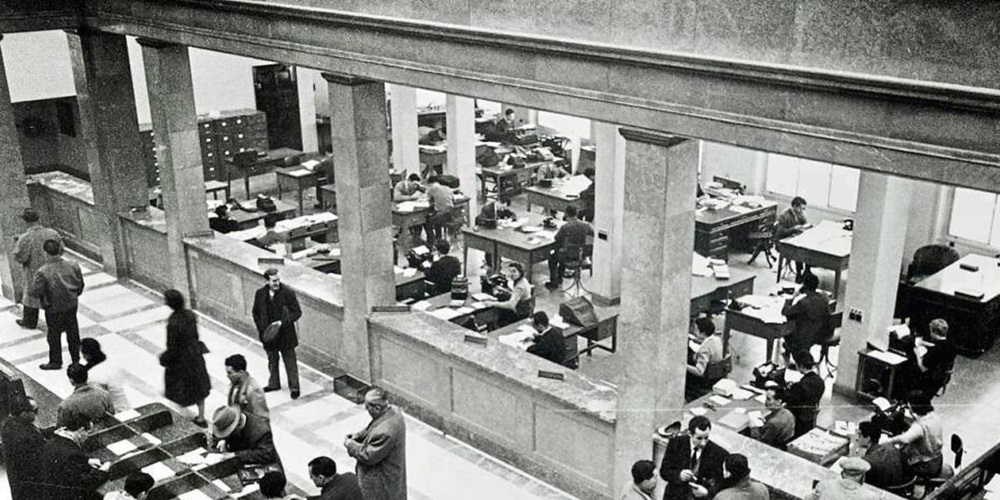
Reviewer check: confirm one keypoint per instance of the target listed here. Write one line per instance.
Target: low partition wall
(225, 275)
(66, 203)
(146, 247)
(492, 397)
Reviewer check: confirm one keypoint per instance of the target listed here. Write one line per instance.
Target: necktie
(694, 461)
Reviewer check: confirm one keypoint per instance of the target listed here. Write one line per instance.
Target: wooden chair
(575, 265)
(763, 242)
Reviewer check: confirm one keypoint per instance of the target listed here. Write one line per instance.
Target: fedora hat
(225, 420)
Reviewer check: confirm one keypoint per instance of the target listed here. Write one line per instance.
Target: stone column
(877, 250)
(461, 116)
(609, 213)
(405, 151)
(360, 153)
(171, 104)
(109, 124)
(13, 192)
(660, 179)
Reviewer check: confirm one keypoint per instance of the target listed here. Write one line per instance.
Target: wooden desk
(706, 289)
(756, 327)
(298, 177)
(247, 220)
(571, 355)
(404, 220)
(715, 231)
(552, 199)
(827, 246)
(502, 242)
(322, 225)
(263, 165)
(483, 316)
(507, 181)
(211, 188)
(878, 375)
(972, 322)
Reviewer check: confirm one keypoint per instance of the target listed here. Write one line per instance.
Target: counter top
(505, 362)
(66, 184)
(152, 218)
(326, 288)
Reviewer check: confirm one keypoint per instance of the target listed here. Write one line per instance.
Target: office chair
(763, 242)
(834, 321)
(576, 266)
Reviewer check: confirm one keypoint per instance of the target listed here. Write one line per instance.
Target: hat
(29, 215)
(225, 420)
(855, 465)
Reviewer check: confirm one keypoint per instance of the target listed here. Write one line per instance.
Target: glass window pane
(844, 187)
(814, 182)
(971, 214)
(782, 174)
(489, 108)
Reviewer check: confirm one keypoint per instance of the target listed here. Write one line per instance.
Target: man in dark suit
(571, 239)
(246, 436)
(692, 465)
(275, 304)
(803, 396)
(549, 342)
(22, 442)
(58, 284)
(443, 270)
(810, 310)
(333, 486)
(66, 471)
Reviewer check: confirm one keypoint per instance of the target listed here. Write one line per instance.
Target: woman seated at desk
(521, 304)
(699, 381)
(923, 441)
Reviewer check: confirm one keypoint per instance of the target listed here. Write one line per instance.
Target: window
(821, 184)
(570, 125)
(975, 216)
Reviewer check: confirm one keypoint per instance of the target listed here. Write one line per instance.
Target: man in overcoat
(29, 253)
(276, 305)
(380, 450)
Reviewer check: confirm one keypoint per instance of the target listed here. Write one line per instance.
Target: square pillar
(13, 192)
(178, 151)
(460, 113)
(307, 108)
(405, 150)
(360, 153)
(109, 124)
(609, 213)
(661, 172)
(876, 253)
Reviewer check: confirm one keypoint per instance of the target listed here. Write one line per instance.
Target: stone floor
(129, 322)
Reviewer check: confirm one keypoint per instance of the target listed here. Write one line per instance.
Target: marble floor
(130, 323)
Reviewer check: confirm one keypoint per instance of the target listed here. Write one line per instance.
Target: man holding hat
(850, 486)
(245, 436)
(29, 253)
(736, 470)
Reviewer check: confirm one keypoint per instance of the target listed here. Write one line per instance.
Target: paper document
(482, 296)
(409, 272)
(405, 206)
(719, 400)
(445, 313)
(310, 165)
(519, 339)
(888, 357)
(740, 209)
(423, 305)
(151, 439)
(127, 415)
(558, 322)
(194, 495)
(456, 303)
(300, 173)
(575, 185)
(699, 411)
(121, 447)
(159, 471)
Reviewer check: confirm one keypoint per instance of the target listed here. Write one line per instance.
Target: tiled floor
(130, 324)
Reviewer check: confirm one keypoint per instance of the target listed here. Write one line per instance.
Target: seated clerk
(550, 171)
(548, 342)
(519, 306)
(934, 358)
(711, 347)
(803, 397)
(443, 270)
(692, 464)
(778, 428)
(222, 222)
(570, 239)
(923, 440)
(442, 201)
(791, 222)
(408, 189)
(494, 209)
(811, 311)
(504, 128)
(885, 458)
(270, 236)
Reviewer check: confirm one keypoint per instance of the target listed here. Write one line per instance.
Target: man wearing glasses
(380, 449)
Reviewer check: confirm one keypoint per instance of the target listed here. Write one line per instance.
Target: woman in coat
(185, 378)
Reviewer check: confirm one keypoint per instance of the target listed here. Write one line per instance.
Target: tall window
(975, 216)
(570, 125)
(821, 184)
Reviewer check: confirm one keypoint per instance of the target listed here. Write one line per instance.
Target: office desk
(436, 155)
(507, 180)
(706, 289)
(972, 321)
(827, 246)
(405, 219)
(211, 188)
(715, 231)
(407, 287)
(298, 177)
(751, 324)
(295, 231)
(726, 414)
(571, 355)
(503, 242)
(442, 303)
(263, 165)
(878, 374)
(247, 220)
(552, 199)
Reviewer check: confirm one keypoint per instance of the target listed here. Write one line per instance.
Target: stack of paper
(482, 296)
(557, 321)
(310, 165)
(406, 206)
(122, 447)
(446, 313)
(423, 305)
